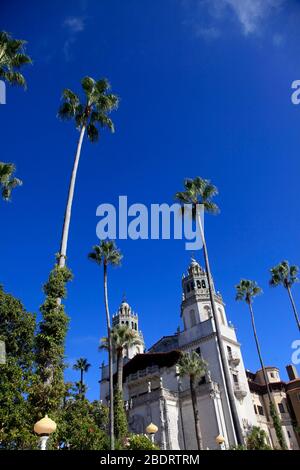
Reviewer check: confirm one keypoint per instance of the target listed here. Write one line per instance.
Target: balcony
(234, 359)
(240, 391)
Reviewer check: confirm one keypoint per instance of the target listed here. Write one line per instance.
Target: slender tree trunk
(228, 382)
(259, 351)
(196, 414)
(120, 370)
(81, 383)
(294, 307)
(110, 362)
(264, 371)
(181, 415)
(67, 219)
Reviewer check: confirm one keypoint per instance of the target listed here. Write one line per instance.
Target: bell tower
(126, 316)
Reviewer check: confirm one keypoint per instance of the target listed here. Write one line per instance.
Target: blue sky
(205, 90)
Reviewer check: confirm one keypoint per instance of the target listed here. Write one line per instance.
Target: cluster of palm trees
(198, 193)
(91, 113)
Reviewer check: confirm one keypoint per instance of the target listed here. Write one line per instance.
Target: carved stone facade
(153, 392)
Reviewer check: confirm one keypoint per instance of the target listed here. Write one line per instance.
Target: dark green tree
(82, 426)
(17, 328)
(49, 388)
(12, 59)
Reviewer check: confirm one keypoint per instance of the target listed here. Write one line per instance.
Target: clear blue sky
(205, 90)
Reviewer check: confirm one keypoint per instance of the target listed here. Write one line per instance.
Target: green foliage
(198, 191)
(140, 442)
(93, 111)
(284, 274)
(192, 365)
(12, 58)
(49, 389)
(257, 439)
(106, 253)
(247, 290)
(7, 181)
(81, 426)
(277, 427)
(120, 419)
(17, 330)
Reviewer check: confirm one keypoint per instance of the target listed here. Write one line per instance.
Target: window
(192, 318)
(198, 351)
(229, 352)
(260, 410)
(235, 378)
(281, 408)
(188, 288)
(255, 409)
(272, 375)
(203, 284)
(198, 284)
(289, 434)
(222, 316)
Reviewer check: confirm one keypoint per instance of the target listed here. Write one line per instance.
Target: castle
(154, 393)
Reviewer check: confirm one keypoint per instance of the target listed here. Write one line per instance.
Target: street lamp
(44, 428)
(152, 430)
(220, 441)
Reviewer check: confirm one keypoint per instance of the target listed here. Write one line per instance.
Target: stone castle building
(154, 393)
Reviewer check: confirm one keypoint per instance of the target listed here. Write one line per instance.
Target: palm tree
(7, 181)
(122, 337)
(286, 275)
(199, 193)
(246, 290)
(89, 114)
(194, 367)
(83, 366)
(105, 254)
(12, 58)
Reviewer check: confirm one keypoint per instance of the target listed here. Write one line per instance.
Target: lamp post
(44, 428)
(151, 429)
(220, 440)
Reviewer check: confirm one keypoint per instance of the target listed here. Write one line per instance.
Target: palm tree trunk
(81, 383)
(67, 219)
(120, 370)
(110, 362)
(264, 373)
(228, 383)
(259, 352)
(294, 307)
(181, 414)
(196, 414)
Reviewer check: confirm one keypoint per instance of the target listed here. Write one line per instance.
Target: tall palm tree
(88, 114)
(194, 367)
(246, 290)
(12, 58)
(105, 254)
(122, 337)
(83, 366)
(199, 193)
(7, 181)
(286, 275)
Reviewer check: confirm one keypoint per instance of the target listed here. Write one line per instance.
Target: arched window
(203, 284)
(192, 318)
(198, 284)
